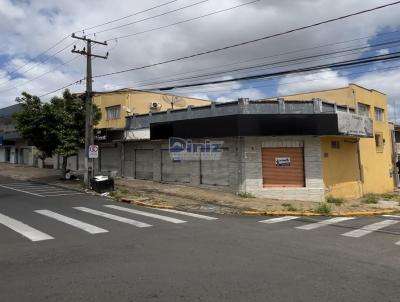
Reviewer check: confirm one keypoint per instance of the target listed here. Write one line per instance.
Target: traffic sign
(93, 151)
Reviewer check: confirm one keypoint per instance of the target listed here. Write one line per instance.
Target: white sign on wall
(93, 151)
(282, 161)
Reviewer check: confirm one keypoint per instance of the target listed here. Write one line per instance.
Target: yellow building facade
(354, 167)
(116, 105)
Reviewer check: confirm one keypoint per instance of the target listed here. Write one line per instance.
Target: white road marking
(23, 229)
(31, 187)
(370, 228)
(324, 223)
(114, 217)
(73, 222)
(391, 216)
(156, 216)
(279, 219)
(49, 195)
(20, 191)
(188, 214)
(43, 189)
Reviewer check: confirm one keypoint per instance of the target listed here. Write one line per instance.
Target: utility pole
(89, 139)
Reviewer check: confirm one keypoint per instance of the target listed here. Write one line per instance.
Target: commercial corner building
(338, 142)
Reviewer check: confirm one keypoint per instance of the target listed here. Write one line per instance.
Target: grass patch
(370, 198)
(246, 195)
(290, 207)
(323, 208)
(390, 196)
(116, 195)
(124, 191)
(335, 200)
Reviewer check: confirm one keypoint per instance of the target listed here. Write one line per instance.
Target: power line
(371, 59)
(248, 42)
(37, 57)
(185, 21)
(266, 57)
(151, 17)
(125, 17)
(273, 85)
(300, 60)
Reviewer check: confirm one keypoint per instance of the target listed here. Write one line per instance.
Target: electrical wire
(248, 42)
(151, 17)
(185, 21)
(125, 17)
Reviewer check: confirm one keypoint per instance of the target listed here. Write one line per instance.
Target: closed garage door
(144, 164)
(110, 158)
(174, 171)
(216, 172)
(283, 167)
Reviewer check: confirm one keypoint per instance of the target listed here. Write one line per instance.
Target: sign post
(93, 153)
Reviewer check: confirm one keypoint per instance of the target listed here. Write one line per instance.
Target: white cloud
(298, 83)
(384, 51)
(51, 20)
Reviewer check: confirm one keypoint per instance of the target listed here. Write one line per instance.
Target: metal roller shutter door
(110, 158)
(144, 164)
(276, 175)
(174, 171)
(215, 172)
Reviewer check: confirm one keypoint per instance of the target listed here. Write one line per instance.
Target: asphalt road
(87, 257)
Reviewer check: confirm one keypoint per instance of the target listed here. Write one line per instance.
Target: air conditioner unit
(155, 105)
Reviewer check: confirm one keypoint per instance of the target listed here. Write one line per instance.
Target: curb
(344, 214)
(144, 204)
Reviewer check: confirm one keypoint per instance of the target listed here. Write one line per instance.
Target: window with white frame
(113, 112)
(379, 113)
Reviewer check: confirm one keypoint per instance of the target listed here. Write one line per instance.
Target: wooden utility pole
(89, 139)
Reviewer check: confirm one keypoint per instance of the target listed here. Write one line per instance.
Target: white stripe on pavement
(279, 219)
(21, 191)
(370, 228)
(114, 217)
(156, 216)
(23, 229)
(188, 214)
(391, 216)
(49, 195)
(324, 223)
(73, 222)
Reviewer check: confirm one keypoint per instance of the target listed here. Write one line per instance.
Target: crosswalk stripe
(188, 214)
(73, 222)
(369, 228)
(18, 190)
(279, 219)
(71, 193)
(391, 216)
(319, 224)
(156, 216)
(114, 217)
(23, 229)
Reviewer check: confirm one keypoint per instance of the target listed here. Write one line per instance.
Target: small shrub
(335, 200)
(323, 208)
(290, 207)
(246, 195)
(370, 198)
(124, 191)
(391, 196)
(116, 195)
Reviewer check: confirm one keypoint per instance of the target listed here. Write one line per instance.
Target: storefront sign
(282, 161)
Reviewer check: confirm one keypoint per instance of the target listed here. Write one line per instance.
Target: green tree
(55, 127)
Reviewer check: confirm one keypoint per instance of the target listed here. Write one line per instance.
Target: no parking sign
(93, 151)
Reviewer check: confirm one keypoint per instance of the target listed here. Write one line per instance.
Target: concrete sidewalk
(185, 197)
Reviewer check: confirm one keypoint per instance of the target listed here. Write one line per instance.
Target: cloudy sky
(30, 27)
